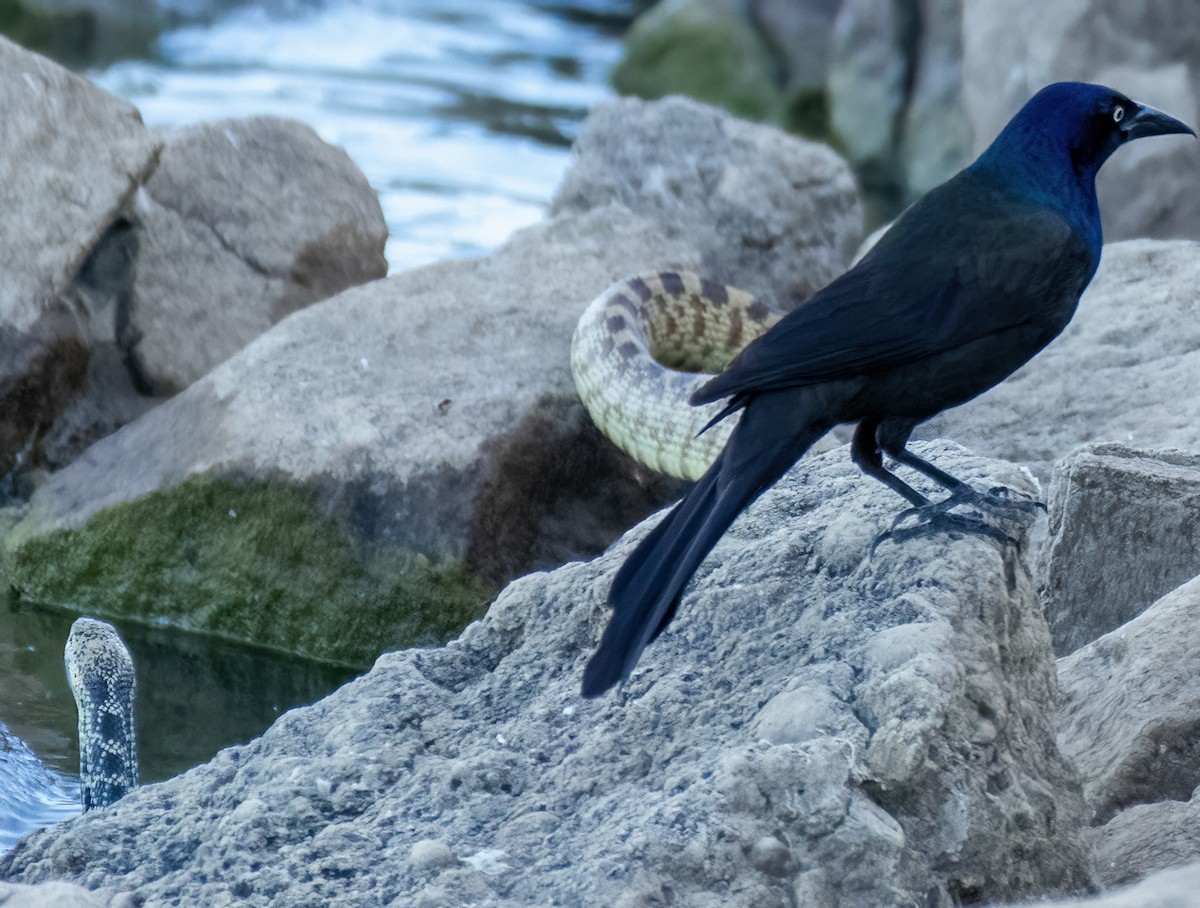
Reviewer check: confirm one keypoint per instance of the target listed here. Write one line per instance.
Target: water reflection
(459, 112)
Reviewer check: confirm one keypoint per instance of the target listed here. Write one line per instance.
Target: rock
(932, 776)
(935, 139)
(76, 154)
(1123, 370)
(869, 72)
(800, 35)
(58, 895)
(1147, 838)
(420, 438)
(705, 49)
(772, 214)
(1149, 51)
(1122, 533)
(1130, 716)
(894, 94)
(242, 223)
(1174, 888)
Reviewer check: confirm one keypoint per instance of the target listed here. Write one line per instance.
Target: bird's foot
(989, 512)
(999, 499)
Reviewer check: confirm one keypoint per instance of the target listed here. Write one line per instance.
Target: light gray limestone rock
(242, 223)
(820, 722)
(1147, 838)
(1130, 717)
(1122, 532)
(770, 213)
(71, 156)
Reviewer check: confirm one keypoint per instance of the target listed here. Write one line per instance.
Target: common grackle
(969, 283)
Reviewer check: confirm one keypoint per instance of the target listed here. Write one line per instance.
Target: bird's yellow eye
(1118, 114)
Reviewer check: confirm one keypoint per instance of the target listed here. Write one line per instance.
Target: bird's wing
(964, 263)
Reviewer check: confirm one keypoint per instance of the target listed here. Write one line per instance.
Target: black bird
(970, 282)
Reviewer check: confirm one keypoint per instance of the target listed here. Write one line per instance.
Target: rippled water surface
(459, 112)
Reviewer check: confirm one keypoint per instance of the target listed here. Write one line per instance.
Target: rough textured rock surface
(1149, 51)
(429, 416)
(242, 223)
(1122, 533)
(71, 155)
(1130, 717)
(1120, 371)
(821, 725)
(1146, 839)
(773, 214)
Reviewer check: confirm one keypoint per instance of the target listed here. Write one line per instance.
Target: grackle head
(1083, 121)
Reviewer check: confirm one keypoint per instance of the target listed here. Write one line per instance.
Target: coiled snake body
(644, 345)
(100, 672)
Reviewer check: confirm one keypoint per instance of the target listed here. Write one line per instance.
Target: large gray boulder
(770, 213)
(1130, 721)
(1130, 717)
(1147, 50)
(357, 476)
(1147, 838)
(1122, 533)
(1124, 370)
(823, 724)
(71, 156)
(242, 223)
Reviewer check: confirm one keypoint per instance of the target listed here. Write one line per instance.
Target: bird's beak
(1152, 122)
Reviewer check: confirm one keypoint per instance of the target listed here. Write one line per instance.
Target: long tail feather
(646, 590)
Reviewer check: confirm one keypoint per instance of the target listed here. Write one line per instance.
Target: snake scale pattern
(644, 345)
(100, 672)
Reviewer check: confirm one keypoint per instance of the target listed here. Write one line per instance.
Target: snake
(100, 673)
(638, 352)
(644, 345)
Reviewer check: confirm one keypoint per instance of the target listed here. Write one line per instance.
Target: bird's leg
(998, 498)
(865, 451)
(890, 437)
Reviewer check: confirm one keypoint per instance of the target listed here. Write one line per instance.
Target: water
(459, 112)
(195, 696)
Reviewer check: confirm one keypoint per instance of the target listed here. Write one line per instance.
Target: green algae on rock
(705, 50)
(252, 561)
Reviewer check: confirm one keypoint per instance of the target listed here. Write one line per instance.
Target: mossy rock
(704, 49)
(251, 561)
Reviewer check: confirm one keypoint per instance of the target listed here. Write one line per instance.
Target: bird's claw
(938, 516)
(1004, 498)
